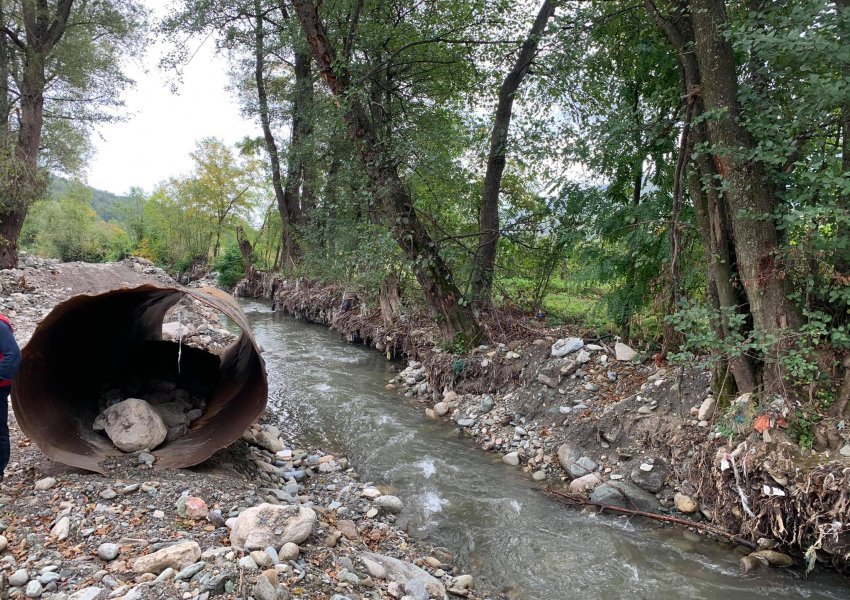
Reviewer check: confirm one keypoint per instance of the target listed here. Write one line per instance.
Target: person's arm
(11, 353)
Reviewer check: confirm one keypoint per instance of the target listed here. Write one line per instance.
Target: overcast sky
(162, 128)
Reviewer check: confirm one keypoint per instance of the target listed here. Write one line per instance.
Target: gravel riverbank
(265, 518)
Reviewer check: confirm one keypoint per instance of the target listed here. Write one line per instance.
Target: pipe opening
(94, 350)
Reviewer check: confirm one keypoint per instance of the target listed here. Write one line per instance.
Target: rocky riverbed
(265, 518)
(607, 423)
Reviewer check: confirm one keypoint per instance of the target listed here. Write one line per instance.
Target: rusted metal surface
(85, 339)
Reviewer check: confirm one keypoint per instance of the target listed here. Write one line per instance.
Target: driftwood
(702, 527)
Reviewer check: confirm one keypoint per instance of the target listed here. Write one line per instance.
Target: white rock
(176, 556)
(272, 525)
(376, 570)
(706, 409)
(623, 352)
(134, 425)
(370, 493)
(441, 408)
(89, 593)
(34, 589)
(62, 528)
(107, 551)
(175, 330)
(402, 572)
(511, 458)
(269, 438)
(19, 578)
(45, 484)
(565, 346)
(289, 551)
(685, 503)
(389, 504)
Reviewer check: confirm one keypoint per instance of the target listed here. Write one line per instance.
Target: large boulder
(273, 525)
(624, 495)
(134, 425)
(404, 572)
(175, 557)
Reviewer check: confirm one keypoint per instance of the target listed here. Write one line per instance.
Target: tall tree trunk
(44, 27)
(453, 315)
(712, 214)
(268, 137)
(485, 256)
(302, 119)
(746, 188)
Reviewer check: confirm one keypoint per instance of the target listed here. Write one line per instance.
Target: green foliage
(230, 267)
(68, 228)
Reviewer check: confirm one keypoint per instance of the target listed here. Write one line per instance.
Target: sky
(162, 128)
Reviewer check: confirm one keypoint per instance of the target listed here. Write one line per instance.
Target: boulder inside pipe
(87, 339)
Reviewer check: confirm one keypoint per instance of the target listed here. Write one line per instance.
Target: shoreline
(600, 428)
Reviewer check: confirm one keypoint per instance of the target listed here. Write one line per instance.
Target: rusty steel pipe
(88, 338)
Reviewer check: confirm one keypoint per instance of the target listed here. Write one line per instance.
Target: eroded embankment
(614, 429)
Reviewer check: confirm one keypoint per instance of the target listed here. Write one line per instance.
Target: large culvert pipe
(85, 341)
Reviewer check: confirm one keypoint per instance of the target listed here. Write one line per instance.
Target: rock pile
(141, 415)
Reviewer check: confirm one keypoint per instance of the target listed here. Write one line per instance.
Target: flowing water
(501, 528)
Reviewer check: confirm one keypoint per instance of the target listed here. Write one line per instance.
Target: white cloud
(155, 141)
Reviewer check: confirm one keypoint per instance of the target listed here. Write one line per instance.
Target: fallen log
(703, 527)
(88, 339)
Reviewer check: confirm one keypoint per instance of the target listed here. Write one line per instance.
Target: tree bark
(44, 29)
(390, 299)
(453, 315)
(747, 189)
(268, 136)
(724, 291)
(485, 256)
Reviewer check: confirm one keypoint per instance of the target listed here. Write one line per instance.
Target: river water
(495, 520)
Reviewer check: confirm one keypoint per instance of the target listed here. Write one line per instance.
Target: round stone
(108, 551)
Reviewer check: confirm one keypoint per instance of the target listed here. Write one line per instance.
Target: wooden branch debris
(702, 527)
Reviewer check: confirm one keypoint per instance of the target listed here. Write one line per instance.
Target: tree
(264, 46)
(60, 70)
(221, 187)
(485, 256)
(369, 130)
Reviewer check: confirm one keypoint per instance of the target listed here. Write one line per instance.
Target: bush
(230, 267)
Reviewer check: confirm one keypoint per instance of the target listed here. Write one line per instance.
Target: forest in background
(674, 171)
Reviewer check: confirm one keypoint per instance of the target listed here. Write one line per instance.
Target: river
(495, 520)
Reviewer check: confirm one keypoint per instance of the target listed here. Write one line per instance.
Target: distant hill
(106, 204)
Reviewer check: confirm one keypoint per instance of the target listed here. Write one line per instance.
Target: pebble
(511, 458)
(289, 551)
(246, 562)
(108, 494)
(370, 493)
(45, 484)
(190, 571)
(539, 475)
(108, 551)
(34, 589)
(19, 578)
(685, 503)
(464, 582)
(390, 504)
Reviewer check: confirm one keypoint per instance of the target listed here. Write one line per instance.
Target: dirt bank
(604, 423)
(213, 531)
